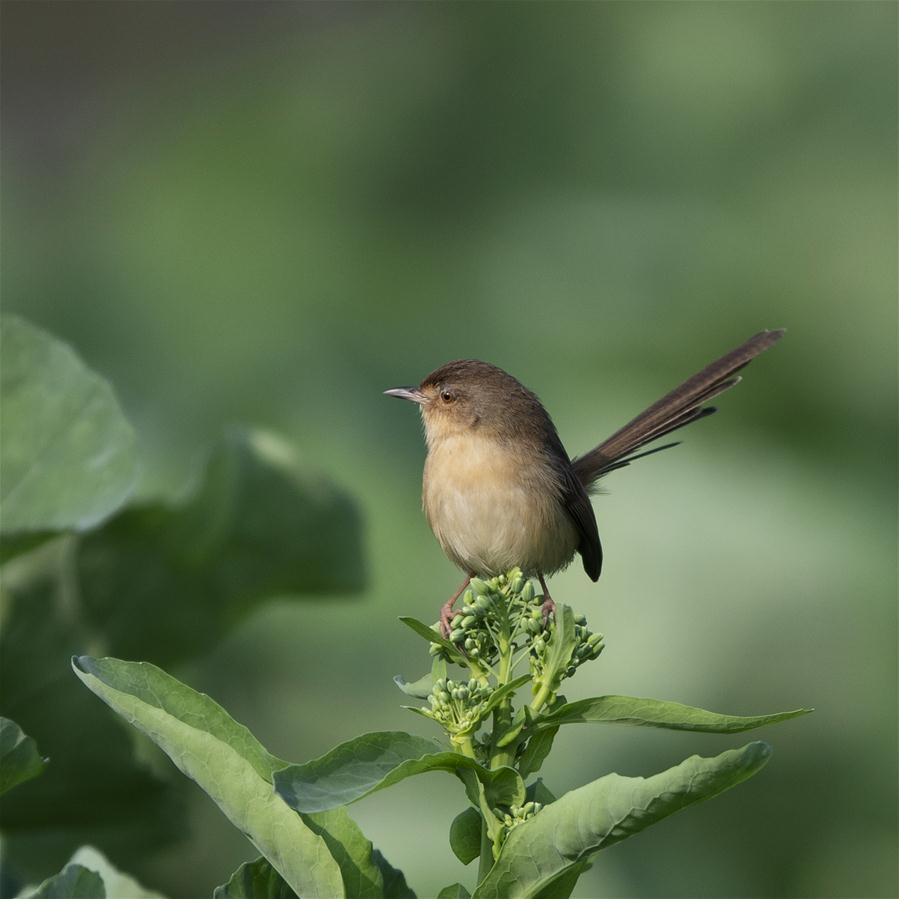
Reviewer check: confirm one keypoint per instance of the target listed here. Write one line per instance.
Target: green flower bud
(468, 621)
(478, 586)
(456, 635)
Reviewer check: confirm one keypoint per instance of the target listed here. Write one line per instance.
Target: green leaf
(362, 878)
(505, 690)
(255, 880)
(73, 882)
(539, 744)
(560, 648)
(224, 758)
(19, 758)
(433, 636)
(536, 750)
(539, 792)
(465, 835)
(395, 886)
(375, 761)
(67, 459)
(421, 688)
(566, 833)
(166, 582)
(454, 891)
(116, 884)
(656, 713)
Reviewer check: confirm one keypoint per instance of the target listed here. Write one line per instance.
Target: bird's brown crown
(468, 393)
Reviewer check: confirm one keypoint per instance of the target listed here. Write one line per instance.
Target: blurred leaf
(167, 582)
(224, 758)
(375, 761)
(67, 459)
(255, 880)
(73, 882)
(566, 833)
(19, 758)
(395, 886)
(465, 835)
(656, 713)
(116, 884)
(88, 792)
(454, 891)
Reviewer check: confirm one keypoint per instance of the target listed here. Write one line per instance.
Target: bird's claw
(446, 618)
(548, 608)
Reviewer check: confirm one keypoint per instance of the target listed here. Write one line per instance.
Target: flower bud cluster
(518, 814)
(459, 707)
(587, 646)
(506, 604)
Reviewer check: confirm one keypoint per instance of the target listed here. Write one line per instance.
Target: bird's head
(467, 394)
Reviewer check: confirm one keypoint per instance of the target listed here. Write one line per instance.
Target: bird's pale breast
(491, 510)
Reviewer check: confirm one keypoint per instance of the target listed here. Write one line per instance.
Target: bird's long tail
(681, 406)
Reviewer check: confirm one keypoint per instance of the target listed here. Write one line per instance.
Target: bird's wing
(577, 504)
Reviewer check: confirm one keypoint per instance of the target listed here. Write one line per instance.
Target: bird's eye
(447, 396)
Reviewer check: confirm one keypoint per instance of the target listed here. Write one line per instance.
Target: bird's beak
(407, 393)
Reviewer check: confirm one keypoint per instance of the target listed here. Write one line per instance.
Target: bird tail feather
(680, 407)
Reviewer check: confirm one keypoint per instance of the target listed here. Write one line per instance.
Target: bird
(500, 491)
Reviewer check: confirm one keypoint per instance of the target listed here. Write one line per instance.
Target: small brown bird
(499, 488)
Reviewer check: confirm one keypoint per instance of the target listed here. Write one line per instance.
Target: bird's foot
(446, 610)
(548, 608)
(446, 617)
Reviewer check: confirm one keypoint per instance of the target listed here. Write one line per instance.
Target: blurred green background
(270, 212)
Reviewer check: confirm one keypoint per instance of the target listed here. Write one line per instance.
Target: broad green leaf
(116, 884)
(656, 713)
(454, 891)
(224, 758)
(395, 886)
(465, 835)
(73, 882)
(96, 776)
(563, 886)
(67, 459)
(255, 880)
(375, 761)
(545, 849)
(365, 872)
(19, 758)
(362, 878)
(166, 582)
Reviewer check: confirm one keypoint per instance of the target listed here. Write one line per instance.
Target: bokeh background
(270, 212)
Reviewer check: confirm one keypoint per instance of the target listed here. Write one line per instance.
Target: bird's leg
(446, 610)
(549, 607)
